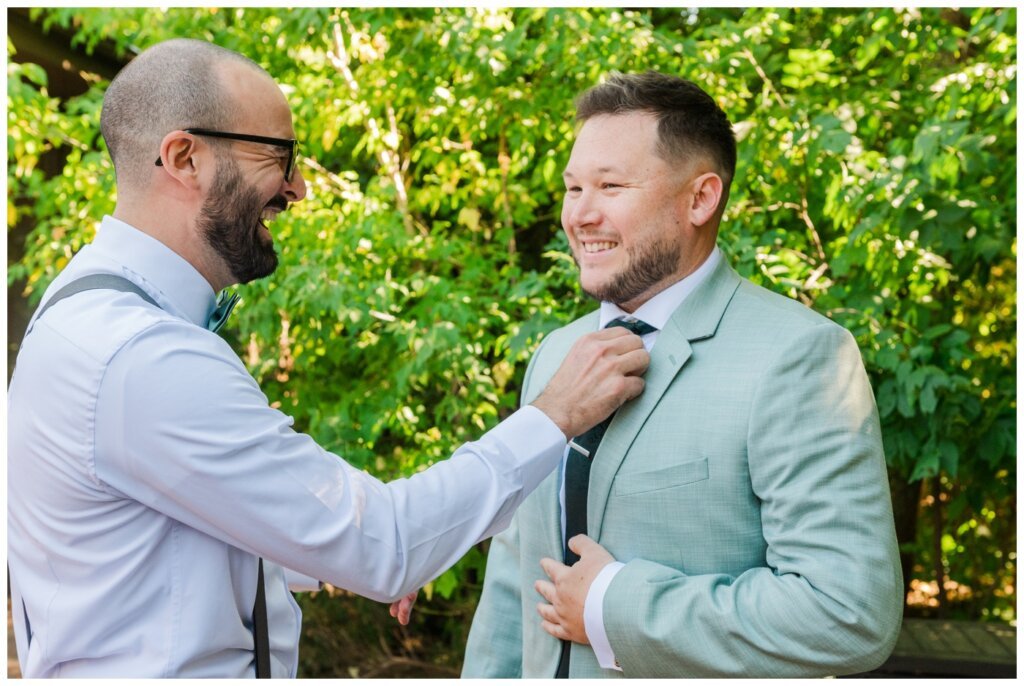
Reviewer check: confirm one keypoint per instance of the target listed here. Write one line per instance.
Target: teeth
(268, 215)
(598, 247)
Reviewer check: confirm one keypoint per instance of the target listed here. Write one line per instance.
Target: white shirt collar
(658, 310)
(180, 289)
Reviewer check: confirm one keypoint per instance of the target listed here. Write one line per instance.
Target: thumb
(581, 543)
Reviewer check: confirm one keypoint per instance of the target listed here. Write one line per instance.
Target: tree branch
(388, 156)
(764, 77)
(504, 162)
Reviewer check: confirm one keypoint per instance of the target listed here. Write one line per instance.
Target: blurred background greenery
(876, 184)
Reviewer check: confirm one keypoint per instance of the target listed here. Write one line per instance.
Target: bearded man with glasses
(156, 502)
(231, 203)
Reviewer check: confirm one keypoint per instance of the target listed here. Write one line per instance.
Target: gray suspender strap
(261, 628)
(28, 624)
(93, 282)
(110, 282)
(86, 283)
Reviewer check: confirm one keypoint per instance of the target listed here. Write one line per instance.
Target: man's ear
(178, 158)
(707, 193)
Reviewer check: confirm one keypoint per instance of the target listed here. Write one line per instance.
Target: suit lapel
(547, 499)
(696, 319)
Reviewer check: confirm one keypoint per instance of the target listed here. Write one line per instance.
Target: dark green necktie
(582, 450)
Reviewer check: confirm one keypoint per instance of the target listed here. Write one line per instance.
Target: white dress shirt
(656, 312)
(147, 472)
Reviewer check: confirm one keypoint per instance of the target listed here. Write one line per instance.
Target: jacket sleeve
(829, 600)
(495, 645)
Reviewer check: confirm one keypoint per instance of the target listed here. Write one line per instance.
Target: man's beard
(648, 264)
(230, 222)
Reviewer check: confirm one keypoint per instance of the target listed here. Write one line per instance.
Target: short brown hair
(688, 118)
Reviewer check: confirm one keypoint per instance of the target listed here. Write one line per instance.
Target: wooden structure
(950, 648)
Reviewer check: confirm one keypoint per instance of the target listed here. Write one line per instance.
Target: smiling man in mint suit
(737, 514)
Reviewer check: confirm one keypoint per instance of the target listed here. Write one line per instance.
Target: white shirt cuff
(593, 616)
(535, 443)
(530, 427)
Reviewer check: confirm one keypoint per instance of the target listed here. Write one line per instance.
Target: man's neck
(657, 309)
(171, 226)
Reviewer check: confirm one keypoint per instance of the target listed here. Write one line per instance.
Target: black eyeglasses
(290, 144)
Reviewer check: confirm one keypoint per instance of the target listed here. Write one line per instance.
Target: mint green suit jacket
(746, 492)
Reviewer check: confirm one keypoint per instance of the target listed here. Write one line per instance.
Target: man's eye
(610, 185)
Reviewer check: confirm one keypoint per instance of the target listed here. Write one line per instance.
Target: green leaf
(926, 466)
(446, 584)
(939, 330)
(836, 140)
(927, 399)
(949, 457)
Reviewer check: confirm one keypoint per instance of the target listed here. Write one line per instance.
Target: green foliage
(876, 183)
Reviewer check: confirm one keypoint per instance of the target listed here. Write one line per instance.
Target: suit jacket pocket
(659, 479)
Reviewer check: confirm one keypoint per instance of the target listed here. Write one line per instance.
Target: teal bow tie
(225, 303)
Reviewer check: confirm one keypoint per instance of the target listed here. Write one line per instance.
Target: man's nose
(295, 190)
(584, 211)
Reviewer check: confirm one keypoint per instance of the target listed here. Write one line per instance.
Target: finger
(634, 362)
(594, 552)
(610, 334)
(623, 343)
(632, 386)
(614, 341)
(581, 543)
(625, 388)
(393, 610)
(551, 567)
(404, 613)
(548, 613)
(410, 602)
(546, 590)
(555, 630)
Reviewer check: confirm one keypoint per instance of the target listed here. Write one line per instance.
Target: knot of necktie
(225, 303)
(640, 328)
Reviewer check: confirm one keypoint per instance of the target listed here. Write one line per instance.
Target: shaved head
(173, 85)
